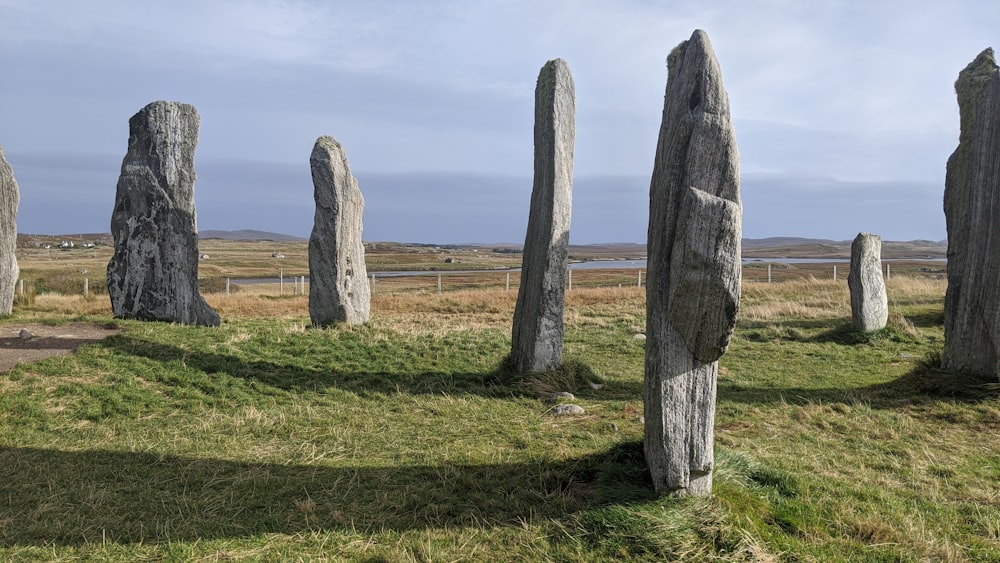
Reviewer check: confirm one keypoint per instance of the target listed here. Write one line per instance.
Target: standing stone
(869, 302)
(537, 336)
(693, 283)
(153, 274)
(338, 278)
(972, 213)
(10, 196)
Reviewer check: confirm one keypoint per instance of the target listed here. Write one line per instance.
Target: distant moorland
(772, 247)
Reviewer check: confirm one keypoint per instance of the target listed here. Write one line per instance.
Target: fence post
(888, 272)
(302, 284)
(639, 280)
(22, 287)
(507, 288)
(373, 285)
(86, 287)
(227, 286)
(570, 275)
(281, 281)
(835, 271)
(439, 283)
(769, 272)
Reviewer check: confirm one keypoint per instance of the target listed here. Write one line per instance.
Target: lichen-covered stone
(537, 335)
(10, 196)
(153, 274)
(972, 214)
(694, 269)
(869, 302)
(338, 278)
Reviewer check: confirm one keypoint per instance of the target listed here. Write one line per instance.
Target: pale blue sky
(845, 111)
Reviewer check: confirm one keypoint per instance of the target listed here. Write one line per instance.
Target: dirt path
(25, 343)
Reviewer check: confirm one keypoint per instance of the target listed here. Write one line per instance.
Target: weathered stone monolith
(537, 336)
(338, 278)
(694, 270)
(972, 214)
(153, 274)
(10, 196)
(869, 302)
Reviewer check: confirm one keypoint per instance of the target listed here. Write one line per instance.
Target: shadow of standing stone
(869, 302)
(537, 336)
(972, 215)
(693, 284)
(338, 278)
(153, 274)
(10, 197)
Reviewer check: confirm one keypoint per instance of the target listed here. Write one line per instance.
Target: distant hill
(611, 250)
(792, 247)
(763, 248)
(773, 247)
(248, 234)
(32, 239)
(772, 242)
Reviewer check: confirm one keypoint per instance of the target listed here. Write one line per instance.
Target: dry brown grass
(488, 304)
(812, 298)
(249, 305)
(807, 298)
(916, 288)
(48, 304)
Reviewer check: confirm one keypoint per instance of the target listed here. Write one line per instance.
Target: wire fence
(296, 283)
(382, 283)
(293, 283)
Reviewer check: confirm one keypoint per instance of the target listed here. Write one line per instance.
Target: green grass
(266, 440)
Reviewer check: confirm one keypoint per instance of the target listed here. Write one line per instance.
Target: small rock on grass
(567, 409)
(562, 395)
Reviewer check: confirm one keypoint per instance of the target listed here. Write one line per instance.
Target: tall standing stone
(537, 335)
(153, 274)
(972, 214)
(869, 302)
(338, 278)
(694, 269)
(10, 196)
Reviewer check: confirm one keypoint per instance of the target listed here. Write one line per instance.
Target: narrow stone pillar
(338, 277)
(10, 197)
(869, 302)
(694, 270)
(537, 335)
(153, 274)
(972, 214)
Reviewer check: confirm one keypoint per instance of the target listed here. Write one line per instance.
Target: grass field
(264, 439)
(63, 271)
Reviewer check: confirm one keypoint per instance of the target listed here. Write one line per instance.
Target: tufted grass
(264, 439)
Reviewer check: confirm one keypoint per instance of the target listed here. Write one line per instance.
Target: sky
(844, 111)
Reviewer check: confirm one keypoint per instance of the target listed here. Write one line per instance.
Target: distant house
(66, 244)
(277, 255)
(203, 257)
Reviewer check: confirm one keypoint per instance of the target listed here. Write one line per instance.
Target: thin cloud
(857, 92)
